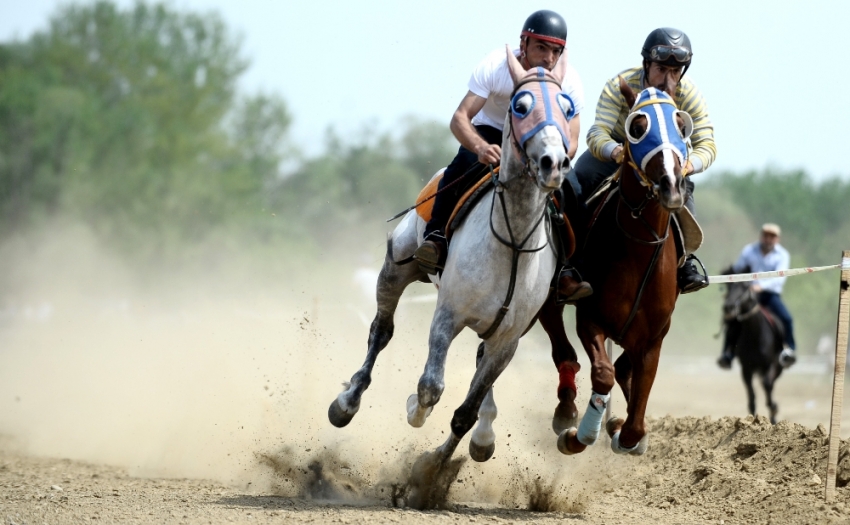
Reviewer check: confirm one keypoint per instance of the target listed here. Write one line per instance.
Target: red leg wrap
(567, 375)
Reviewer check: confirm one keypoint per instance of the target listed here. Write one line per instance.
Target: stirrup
(431, 254)
(692, 285)
(583, 288)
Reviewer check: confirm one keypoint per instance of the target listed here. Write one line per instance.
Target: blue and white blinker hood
(662, 132)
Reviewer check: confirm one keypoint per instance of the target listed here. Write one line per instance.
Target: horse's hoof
(613, 425)
(481, 453)
(568, 443)
(416, 414)
(337, 416)
(566, 416)
(638, 450)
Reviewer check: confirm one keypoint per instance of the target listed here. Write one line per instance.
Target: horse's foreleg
(630, 438)
(392, 281)
(564, 355)
(444, 328)
(479, 402)
(767, 383)
(483, 442)
(747, 374)
(572, 441)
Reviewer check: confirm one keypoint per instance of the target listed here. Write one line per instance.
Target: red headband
(547, 38)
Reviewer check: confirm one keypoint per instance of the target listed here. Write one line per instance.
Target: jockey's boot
(787, 357)
(689, 277)
(431, 254)
(725, 361)
(570, 287)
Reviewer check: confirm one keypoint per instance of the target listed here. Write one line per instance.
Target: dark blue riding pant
(773, 302)
(464, 166)
(589, 172)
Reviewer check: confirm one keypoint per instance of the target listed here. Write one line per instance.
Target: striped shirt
(608, 130)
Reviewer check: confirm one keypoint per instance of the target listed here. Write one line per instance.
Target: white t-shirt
(492, 80)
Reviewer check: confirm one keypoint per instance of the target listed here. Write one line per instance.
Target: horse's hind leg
(392, 281)
(551, 318)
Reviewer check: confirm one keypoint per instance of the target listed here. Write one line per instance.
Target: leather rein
(517, 248)
(636, 212)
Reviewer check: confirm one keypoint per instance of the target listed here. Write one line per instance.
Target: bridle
(736, 313)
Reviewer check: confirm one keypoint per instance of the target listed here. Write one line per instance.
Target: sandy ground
(197, 404)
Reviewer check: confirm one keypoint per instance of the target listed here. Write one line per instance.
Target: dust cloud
(223, 366)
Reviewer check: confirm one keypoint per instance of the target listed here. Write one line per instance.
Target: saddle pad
(424, 209)
(467, 201)
(691, 232)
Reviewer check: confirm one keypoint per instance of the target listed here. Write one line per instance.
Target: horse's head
(539, 122)
(656, 132)
(740, 298)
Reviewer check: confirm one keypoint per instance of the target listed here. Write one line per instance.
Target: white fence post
(838, 379)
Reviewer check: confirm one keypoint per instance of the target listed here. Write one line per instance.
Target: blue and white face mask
(662, 132)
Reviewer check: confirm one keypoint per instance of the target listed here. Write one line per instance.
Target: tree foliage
(119, 117)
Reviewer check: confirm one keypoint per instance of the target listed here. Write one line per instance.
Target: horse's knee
(429, 390)
(602, 377)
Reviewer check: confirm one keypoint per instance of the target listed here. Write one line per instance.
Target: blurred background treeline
(129, 123)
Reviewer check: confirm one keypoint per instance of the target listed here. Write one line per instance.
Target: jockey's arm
(575, 130)
(464, 131)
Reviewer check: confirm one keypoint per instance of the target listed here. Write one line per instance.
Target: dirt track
(145, 395)
(697, 471)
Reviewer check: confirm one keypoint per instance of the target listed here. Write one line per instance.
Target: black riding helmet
(546, 25)
(668, 46)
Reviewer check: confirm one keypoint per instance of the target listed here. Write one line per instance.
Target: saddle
(461, 209)
(775, 325)
(687, 233)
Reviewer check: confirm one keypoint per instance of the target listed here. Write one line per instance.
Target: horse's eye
(685, 124)
(522, 103)
(637, 126)
(567, 105)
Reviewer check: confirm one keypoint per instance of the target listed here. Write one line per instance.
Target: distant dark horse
(757, 338)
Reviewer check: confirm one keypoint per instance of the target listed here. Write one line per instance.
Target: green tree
(129, 120)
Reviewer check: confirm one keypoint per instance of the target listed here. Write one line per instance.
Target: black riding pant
(464, 166)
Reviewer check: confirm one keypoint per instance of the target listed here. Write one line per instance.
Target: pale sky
(774, 74)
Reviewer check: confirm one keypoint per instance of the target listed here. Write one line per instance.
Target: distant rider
(477, 124)
(765, 255)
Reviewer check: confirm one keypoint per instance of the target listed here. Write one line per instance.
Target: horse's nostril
(546, 162)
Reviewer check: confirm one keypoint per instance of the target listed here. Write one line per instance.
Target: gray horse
(503, 243)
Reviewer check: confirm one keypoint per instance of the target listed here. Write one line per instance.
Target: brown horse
(631, 261)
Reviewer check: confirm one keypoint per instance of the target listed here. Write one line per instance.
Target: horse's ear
(627, 92)
(516, 69)
(561, 68)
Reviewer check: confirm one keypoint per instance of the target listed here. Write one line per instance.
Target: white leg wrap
(591, 422)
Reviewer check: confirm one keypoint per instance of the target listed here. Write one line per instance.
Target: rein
(516, 248)
(637, 213)
(736, 313)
